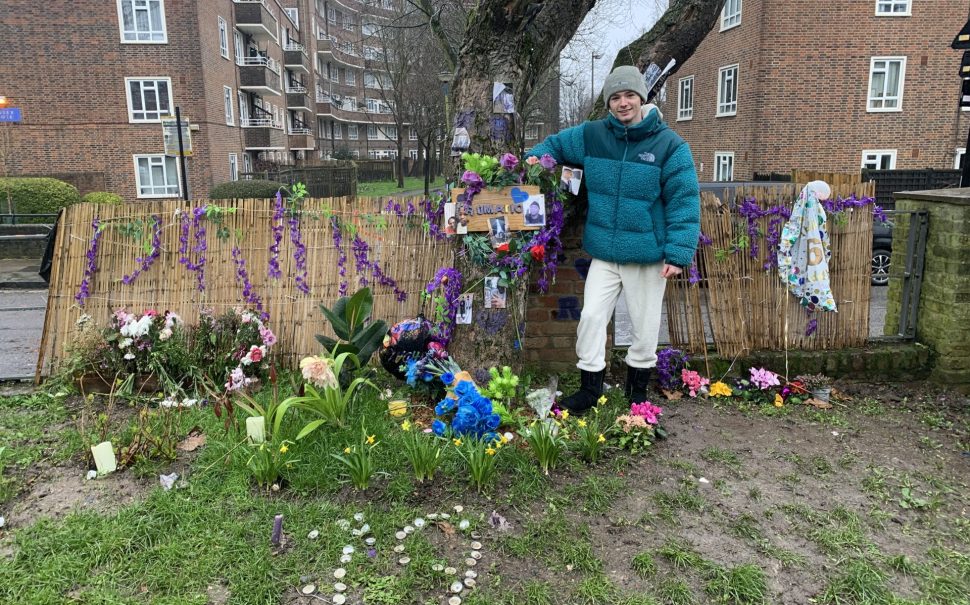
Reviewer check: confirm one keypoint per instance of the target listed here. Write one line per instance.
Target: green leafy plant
(502, 386)
(546, 442)
(423, 451)
(909, 500)
(269, 460)
(589, 437)
(349, 320)
(255, 188)
(262, 404)
(357, 460)
(29, 195)
(327, 399)
(480, 458)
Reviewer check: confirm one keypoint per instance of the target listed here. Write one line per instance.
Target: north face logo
(646, 156)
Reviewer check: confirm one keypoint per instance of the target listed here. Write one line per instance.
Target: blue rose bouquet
(468, 413)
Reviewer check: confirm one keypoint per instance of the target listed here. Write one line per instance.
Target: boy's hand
(670, 271)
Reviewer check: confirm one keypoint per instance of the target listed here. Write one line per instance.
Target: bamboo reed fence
(742, 307)
(404, 249)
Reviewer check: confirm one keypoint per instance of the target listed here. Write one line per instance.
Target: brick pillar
(944, 305)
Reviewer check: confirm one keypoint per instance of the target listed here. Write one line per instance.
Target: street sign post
(177, 141)
(10, 114)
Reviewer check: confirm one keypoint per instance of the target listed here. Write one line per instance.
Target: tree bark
(676, 35)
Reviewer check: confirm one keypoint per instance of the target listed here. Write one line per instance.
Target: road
(22, 323)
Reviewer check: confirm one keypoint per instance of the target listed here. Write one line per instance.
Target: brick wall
(803, 86)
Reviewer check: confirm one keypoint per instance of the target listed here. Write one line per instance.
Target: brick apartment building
(831, 86)
(283, 81)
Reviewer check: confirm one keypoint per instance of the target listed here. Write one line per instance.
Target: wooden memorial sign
(522, 207)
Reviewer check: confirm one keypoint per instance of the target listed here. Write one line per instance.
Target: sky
(611, 25)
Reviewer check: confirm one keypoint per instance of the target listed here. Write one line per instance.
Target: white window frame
(166, 190)
(732, 19)
(877, 155)
(371, 132)
(145, 4)
(229, 100)
(161, 112)
(223, 38)
(685, 90)
(239, 44)
(353, 132)
(898, 97)
(531, 132)
(350, 78)
(412, 134)
(243, 107)
(727, 107)
(887, 8)
(719, 158)
(960, 152)
(390, 133)
(413, 154)
(233, 167)
(294, 15)
(338, 131)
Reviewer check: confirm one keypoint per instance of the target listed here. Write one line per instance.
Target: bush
(258, 189)
(102, 197)
(36, 196)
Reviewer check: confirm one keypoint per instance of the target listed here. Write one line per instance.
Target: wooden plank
(491, 204)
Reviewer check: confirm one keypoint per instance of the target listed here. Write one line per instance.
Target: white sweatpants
(644, 288)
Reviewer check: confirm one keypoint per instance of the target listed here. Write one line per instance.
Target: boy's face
(625, 105)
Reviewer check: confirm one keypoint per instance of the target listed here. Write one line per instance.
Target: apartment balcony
(259, 74)
(256, 19)
(297, 97)
(301, 138)
(326, 107)
(261, 133)
(295, 58)
(341, 52)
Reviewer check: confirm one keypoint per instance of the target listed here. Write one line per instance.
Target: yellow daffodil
(601, 400)
(565, 414)
(719, 389)
(406, 425)
(581, 423)
(457, 442)
(778, 400)
(370, 439)
(490, 451)
(504, 439)
(346, 450)
(397, 408)
(284, 449)
(602, 439)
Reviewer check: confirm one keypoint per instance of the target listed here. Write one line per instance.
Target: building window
(727, 91)
(413, 154)
(894, 8)
(338, 131)
(731, 14)
(331, 14)
(350, 77)
(531, 132)
(723, 166)
(233, 167)
(371, 132)
(223, 38)
(412, 134)
(243, 108)
(352, 132)
(886, 77)
(247, 163)
(685, 99)
(237, 39)
(142, 21)
(879, 159)
(390, 132)
(294, 15)
(148, 100)
(156, 176)
(958, 158)
(227, 93)
(368, 29)
(373, 105)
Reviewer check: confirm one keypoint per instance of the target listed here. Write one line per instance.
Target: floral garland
(432, 210)
(299, 253)
(274, 249)
(242, 276)
(361, 250)
(198, 232)
(341, 256)
(147, 261)
(450, 280)
(84, 290)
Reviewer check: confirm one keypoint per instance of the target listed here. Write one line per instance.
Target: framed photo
(495, 294)
(498, 230)
(464, 314)
(534, 211)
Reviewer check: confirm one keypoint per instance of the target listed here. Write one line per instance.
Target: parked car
(882, 251)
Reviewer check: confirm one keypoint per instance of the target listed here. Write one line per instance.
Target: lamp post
(592, 76)
(445, 78)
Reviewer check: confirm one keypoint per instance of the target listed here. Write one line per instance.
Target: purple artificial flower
(508, 162)
(694, 275)
(299, 253)
(274, 249)
(92, 266)
(879, 213)
(193, 219)
(547, 161)
(450, 280)
(361, 250)
(341, 256)
(242, 277)
(473, 182)
(812, 327)
(146, 262)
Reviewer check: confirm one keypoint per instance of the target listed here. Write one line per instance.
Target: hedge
(256, 188)
(36, 195)
(102, 197)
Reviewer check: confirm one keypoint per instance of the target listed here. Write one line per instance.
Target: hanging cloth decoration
(803, 252)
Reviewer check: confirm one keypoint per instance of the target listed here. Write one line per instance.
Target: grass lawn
(385, 188)
(866, 503)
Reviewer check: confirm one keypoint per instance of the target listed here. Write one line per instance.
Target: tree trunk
(400, 157)
(676, 35)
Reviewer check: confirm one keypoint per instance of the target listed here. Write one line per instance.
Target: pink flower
(317, 371)
(693, 381)
(763, 378)
(256, 354)
(532, 160)
(269, 339)
(651, 413)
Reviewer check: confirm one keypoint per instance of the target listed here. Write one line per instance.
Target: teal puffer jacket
(644, 199)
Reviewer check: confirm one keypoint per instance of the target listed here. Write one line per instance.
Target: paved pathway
(21, 326)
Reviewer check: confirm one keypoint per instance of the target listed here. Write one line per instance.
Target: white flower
(165, 334)
(141, 327)
(129, 355)
(124, 344)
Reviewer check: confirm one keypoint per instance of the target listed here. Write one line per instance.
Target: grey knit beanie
(625, 77)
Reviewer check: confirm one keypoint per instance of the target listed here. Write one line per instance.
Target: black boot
(637, 380)
(589, 392)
